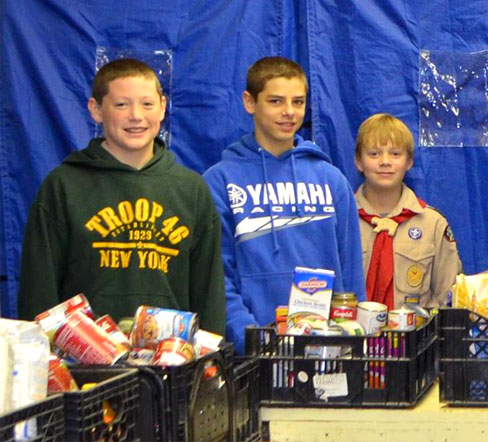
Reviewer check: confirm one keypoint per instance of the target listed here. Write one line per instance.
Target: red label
(86, 341)
(343, 313)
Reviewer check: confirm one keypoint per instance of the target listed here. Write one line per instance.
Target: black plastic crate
(463, 341)
(44, 418)
(189, 405)
(117, 391)
(393, 369)
(245, 387)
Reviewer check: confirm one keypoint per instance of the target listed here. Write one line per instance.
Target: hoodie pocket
(263, 292)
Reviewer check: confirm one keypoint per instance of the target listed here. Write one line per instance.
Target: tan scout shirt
(426, 259)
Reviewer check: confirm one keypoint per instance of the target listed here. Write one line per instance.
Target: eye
(120, 105)
(148, 104)
(299, 102)
(373, 153)
(274, 101)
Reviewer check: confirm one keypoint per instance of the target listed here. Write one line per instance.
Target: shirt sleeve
(238, 315)
(446, 263)
(206, 273)
(349, 243)
(43, 261)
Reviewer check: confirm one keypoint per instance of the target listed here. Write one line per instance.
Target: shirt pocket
(413, 267)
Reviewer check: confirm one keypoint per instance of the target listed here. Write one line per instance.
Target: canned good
(140, 356)
(108, 324)
(343, 307)
(59, 378)
(421, 314)
(401, 319)
(173, 351)
(153, 324)
(372, 316)
(51, 320)
(206, 342)
(87, 342)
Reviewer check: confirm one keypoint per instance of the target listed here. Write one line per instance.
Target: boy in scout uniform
(408, 247)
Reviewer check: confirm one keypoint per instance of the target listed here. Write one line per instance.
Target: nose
(385, 159)
(288, 109)
(135, 113)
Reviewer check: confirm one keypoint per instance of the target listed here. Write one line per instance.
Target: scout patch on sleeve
(449, 235)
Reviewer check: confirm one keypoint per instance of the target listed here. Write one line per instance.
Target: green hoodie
(124, 237)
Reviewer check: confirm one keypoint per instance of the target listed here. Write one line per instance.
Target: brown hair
(122, 67)
(268, 68)
(382, 128)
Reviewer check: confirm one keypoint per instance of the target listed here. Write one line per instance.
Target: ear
(249, 103)
(358, 163)
(409, 162)
(163, 108)
(95, 111)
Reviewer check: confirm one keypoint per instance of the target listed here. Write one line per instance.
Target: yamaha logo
(237, 196)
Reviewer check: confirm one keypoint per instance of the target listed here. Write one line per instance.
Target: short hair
(382, 128)
(122, 67)
(268, 68)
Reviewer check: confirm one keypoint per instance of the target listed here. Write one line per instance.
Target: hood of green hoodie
(95, 156)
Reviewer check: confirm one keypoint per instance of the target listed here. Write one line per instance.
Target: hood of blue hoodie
(248, 148)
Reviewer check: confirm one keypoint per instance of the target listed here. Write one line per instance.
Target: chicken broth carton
(310, 296)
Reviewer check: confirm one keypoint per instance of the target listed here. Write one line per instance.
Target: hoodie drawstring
(295, 183)
(276, 246)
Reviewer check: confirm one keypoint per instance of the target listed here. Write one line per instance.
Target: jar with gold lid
(343, 306)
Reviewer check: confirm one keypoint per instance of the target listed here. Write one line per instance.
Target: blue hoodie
(278, 213)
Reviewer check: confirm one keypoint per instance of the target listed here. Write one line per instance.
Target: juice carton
(310, 295)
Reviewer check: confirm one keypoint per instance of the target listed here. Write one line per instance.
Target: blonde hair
(379, 129)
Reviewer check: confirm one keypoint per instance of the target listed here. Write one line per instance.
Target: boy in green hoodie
(121, 221)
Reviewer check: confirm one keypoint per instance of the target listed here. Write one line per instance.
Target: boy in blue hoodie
(282, 204)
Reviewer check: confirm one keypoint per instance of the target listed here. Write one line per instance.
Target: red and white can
(108, 324)
(87, 342)
(401, 319)
(173, 351)
(51, 320)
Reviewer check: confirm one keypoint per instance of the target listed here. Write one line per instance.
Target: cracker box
(310, 295)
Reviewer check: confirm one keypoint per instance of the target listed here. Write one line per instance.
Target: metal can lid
(344, 295)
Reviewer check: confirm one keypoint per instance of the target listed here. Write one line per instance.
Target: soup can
(51, 320)
(372, 316)
(421, 314)
(109, 325)
(173, 351)
(401, 319)
(87, 342)
(153, 324)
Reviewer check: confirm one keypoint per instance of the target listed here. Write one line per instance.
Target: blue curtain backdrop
(361, 57)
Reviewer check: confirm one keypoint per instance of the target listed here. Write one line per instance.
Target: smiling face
(131, 113)
(384, 166)
(278, 113)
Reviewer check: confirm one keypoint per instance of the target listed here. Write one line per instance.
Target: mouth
(287, 126)
(135, 130)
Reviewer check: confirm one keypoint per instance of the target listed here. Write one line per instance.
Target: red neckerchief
(379, 281)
